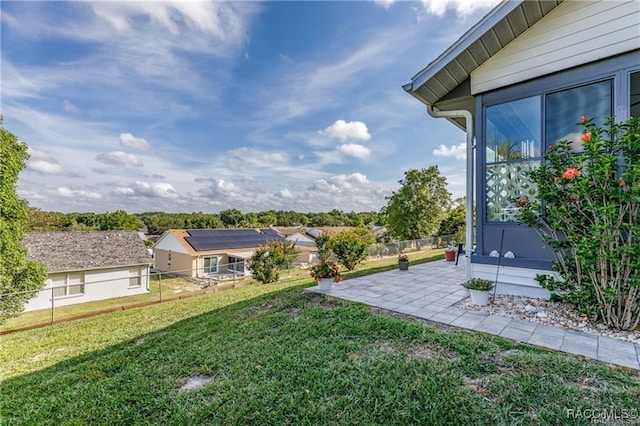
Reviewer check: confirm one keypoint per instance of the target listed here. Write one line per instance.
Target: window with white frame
(71, 284)
(135, 277)
(236, 264)
(210, 265)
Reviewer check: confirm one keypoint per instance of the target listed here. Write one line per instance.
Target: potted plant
(450, 251)
(403, 262)
(325, 274)
(479, 290)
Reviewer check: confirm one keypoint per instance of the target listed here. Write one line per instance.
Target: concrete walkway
(430, 291)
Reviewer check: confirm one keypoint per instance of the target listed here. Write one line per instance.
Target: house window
(634, 94)
(513, 144)
(563, 110)
(68, 285)
(236, 264)
(210, 265)
(135, 277)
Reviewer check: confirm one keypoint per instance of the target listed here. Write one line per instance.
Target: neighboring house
(327, 230)
(523, 76)
(88, 266)
(202, 253)
(304, 243)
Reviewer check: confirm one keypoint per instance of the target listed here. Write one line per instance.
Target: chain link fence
(80, 296)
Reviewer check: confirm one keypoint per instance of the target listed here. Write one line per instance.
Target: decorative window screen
(513, 142)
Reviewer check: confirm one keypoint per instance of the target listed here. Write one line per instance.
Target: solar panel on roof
(216, 239)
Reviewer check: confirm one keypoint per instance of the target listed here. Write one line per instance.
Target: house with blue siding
(518, 82)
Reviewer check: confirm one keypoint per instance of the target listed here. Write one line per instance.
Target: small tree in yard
(323, 244)
(350, 247)
(591, 218)
(267, 261)
(17, 274)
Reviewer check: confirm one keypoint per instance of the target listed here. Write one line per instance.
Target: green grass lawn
(273, 355)
(175, 288)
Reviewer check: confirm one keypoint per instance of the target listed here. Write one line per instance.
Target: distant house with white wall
(202, 253)
(517, 82)
(88, 266)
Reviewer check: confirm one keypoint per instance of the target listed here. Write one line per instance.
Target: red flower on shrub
(570, 173)
(586, 137)
(622, 183)
(583, 118)
(522, 202)
(551, 148)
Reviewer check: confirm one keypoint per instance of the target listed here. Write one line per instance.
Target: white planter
(325, 284)
(479, 297)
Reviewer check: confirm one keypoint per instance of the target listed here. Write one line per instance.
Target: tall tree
(231, 217)
(119, 220)
(17, 274)
(418, 207)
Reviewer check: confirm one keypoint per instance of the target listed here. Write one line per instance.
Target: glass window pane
(76, 289)
(563, 111)
(634, 95)
(513, 130)
(134, 277)
(210, 265)
(59, 283)
(504, 183)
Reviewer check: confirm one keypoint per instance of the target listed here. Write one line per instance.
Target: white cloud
(69, 107)
(285, 193)
(123, 190)
(463, 8)
(66, 192)
(155, 189)
(457, 151)
(42, 162)
(221, 188)
(385, 3)
(127, 139)
(119, 158)
(275, 157)
(344, 130)
(242, 158)
(354, 150)
(217, 18)
(147, 189)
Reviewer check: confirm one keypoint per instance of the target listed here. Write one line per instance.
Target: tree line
(158, 222)
(422, 207)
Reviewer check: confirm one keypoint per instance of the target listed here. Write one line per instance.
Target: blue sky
(205, 106)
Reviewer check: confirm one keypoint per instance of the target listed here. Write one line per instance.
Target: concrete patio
(431, 290)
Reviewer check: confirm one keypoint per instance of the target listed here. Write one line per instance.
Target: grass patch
(176, 288)
(274, 355)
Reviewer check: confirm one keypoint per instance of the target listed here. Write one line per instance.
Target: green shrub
(350, 248)
(591, 213)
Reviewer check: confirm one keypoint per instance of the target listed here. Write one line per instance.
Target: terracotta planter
(479, 297)
(325, 284)
(403, 266)
(450, 255)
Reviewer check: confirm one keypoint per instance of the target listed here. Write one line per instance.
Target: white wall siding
(514, 281)
(169, 242)
(573, 34)
(98, 285)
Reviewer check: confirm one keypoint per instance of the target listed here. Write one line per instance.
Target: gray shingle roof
(69, 251)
